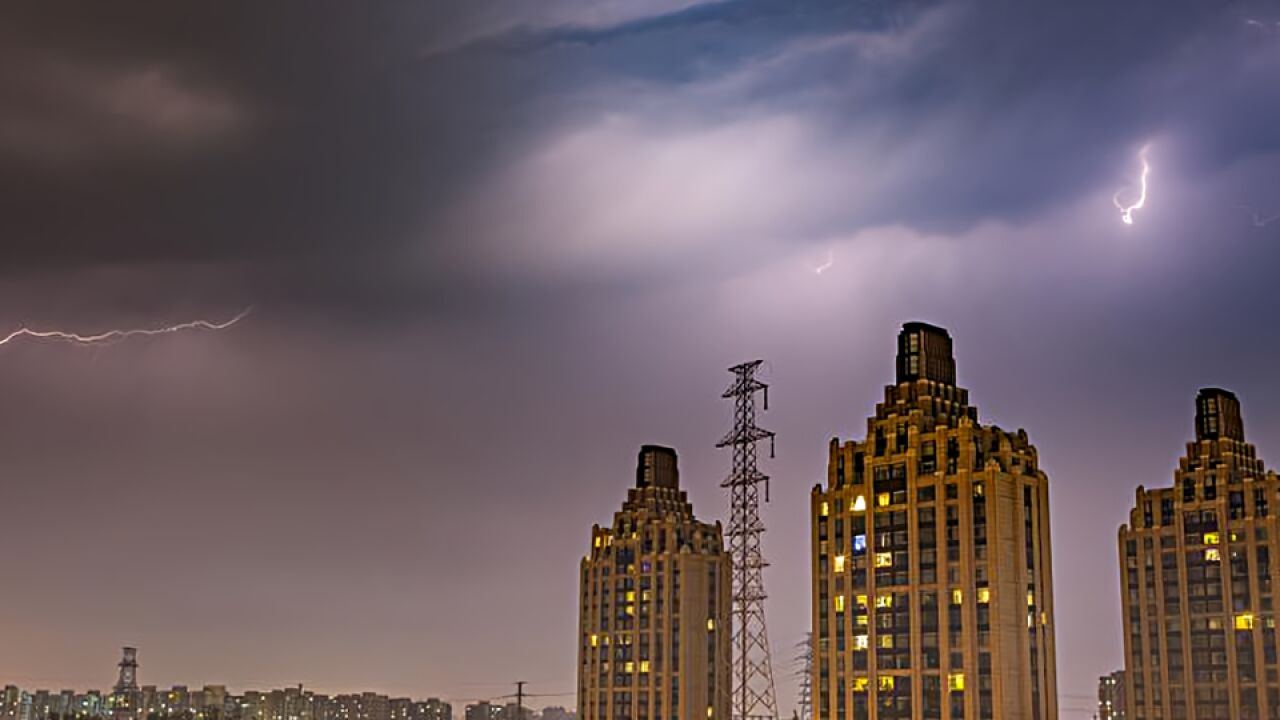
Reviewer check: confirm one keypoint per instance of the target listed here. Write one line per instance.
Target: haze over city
(489, 249)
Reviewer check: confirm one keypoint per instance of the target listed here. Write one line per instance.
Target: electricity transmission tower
(754, 697)
(804, 673)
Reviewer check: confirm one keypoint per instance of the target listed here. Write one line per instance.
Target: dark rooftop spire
(1218, 415)
(656, 467)
(924, 353)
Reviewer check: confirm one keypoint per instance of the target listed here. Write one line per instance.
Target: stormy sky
(494, 246)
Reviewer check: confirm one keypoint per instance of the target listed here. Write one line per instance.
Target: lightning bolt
(1126, 211)
(115, 336)
(831, 260)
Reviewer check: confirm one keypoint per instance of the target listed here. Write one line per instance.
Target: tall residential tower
(1197, 577)
(932, 589)
(654, 602)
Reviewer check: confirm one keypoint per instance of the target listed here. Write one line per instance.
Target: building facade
(655, 601)
(1197, 576)
(1111, 696)
(932, 584)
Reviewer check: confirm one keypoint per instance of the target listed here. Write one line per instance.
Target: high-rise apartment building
(1111, 696)
(1197, 574)
(655, 600)
(932, 588)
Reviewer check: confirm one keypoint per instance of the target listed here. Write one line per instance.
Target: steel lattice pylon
(804, 674)
(754, 696)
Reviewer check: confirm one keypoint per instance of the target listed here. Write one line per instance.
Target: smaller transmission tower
(804, 674)
(754, 696)
(124, 696)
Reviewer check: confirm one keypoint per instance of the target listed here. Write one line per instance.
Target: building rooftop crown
(1218, 415)
(924, 353)
(656, 467)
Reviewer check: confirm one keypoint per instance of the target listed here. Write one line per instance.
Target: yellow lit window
(1044, 618)
(1215, 623)
(631, 609)
(1244, 621)
(955, 681)
(644, 666)
(859, 642)
(599, 541)
(839, 603)
(886, 682)
(1031, 598)
(984, 595)
(859, 684)
(1212, 555)
(862, 600)
(628, 667)
(882, 500)
(861, 620)
(957, 596)
(884, 600)
(1211, 538)
(977, 490)
(839, 563)
(646, 595)
(860, 504)
(884, 559)
(711, 624)
(710, 711)
(631, 596)
(824, 510)
(595, 640)
(886, 641)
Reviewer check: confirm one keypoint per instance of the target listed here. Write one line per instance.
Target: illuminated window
(984, 595)
(628, 667)
(882, 500)
(1211, 538)
(710, 711)
(1212, 555)
(859, 684)
(861, 620)
(884, 600)
(884, 559)
(859, 544)
(955, 681)
(599, 541)
(886, 682)
(825, 509)
(1215, 623)
(859, 642)
(977, 490)
(631, 596)
(957, 596)
(631, 610)
(862, 600)
(860, 504)
(1031, 598)
(595, 640)
(886, 641)
(839, 603)
(711, 624)
(839, 563)
(1244, 621)
(644, 666)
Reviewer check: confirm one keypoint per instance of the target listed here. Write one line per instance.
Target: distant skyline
(495, 246)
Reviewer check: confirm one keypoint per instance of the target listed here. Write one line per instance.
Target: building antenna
(754, 696)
